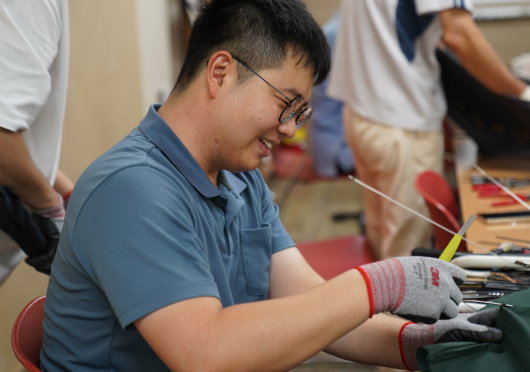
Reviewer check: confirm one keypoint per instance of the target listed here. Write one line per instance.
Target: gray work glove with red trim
(477, 327)
(421, 289)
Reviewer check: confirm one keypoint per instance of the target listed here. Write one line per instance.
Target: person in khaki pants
(400, 156)
(385, 71)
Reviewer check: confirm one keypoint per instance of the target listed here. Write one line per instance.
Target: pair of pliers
(481, 183)
(485, 187)
(499, 193)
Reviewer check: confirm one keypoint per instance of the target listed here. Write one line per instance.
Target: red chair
(442, 206)
(26, 338)
(330, 258)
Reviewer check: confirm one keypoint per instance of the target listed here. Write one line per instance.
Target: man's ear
(220, 72)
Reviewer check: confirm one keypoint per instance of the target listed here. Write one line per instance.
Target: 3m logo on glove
(435, 277)
(421, 289)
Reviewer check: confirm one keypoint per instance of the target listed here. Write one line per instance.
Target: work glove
(37, 233)
(50, 221)
(421, 289)
(477, 327)
(16, 221)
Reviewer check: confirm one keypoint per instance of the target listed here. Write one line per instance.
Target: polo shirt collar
(231, 182)
(156, 129)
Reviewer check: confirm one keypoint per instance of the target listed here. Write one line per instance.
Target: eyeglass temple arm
(244, 64)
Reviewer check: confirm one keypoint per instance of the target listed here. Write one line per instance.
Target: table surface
(484, 234)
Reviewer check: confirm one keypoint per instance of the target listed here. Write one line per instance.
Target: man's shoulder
(134, 160)
(132, 150)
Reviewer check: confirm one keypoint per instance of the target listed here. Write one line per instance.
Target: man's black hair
(259, 32)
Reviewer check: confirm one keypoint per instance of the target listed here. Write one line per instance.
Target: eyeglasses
(293, 108)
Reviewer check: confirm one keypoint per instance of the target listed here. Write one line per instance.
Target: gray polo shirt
(146, 228)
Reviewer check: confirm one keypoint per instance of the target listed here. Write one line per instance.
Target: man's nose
(288, 129)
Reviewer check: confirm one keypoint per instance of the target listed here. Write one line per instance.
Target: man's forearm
(63, 185)
(467, 42)
(18, 172)
(376, 341)
(273, 335)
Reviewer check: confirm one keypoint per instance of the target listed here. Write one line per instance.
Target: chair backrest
(26, 338)
(333, 257)
(442, 206)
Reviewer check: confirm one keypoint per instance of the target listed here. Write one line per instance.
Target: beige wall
(154, 47)
(322, 9)
(509, 37)
(121, 60)
(104, 97)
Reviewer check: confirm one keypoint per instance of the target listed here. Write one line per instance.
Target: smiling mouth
(266, 143)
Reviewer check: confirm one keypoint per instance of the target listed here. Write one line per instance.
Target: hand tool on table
(506, 247)
(493, 187)
(481, 295)
(485, 187)
(488, 303)
(503, 187)
(483, 183)
(498, 193)
(451, 248)
(513, 239)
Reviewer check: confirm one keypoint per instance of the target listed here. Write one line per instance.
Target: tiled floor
(307, 212)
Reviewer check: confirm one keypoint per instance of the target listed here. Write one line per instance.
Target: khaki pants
(389, 159)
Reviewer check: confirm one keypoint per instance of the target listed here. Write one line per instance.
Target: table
(481, 232)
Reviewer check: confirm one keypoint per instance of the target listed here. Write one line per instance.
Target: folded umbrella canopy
(500, 125)
(511, 355)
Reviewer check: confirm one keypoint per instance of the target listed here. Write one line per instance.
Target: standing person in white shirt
(34, 52)
(385, 71)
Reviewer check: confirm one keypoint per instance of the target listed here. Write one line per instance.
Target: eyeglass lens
(293, 109)
(303, 117)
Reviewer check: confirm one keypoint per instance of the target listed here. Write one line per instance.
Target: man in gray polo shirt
(172, 255)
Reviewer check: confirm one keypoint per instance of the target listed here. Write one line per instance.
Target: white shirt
(385, 65)
(34, 52)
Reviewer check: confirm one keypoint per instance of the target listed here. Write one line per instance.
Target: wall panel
(104, 103)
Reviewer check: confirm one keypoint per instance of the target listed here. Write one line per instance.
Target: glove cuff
(369, 288)
(385, 281)
(66, 198)
(411, 337)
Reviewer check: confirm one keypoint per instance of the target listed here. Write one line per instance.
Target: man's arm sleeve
(136, 237)
(425, 7)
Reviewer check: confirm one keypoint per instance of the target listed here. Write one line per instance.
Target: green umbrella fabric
(513, 354)
(500, 125)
